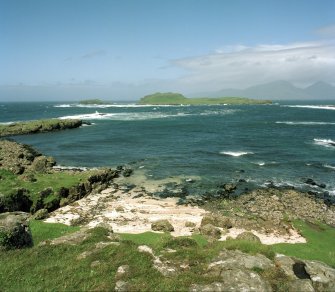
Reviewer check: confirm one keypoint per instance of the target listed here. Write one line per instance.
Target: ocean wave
(305, 123)
(329, 166)
(235, 153)
(7, 123)
(218, 112)
(326, 107)
(325, 142)
(123, 116)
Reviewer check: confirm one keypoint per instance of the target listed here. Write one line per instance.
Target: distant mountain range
(278, 90)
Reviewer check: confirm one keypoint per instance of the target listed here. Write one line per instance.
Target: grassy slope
(57, 268)
(177, 99)
(57, 180)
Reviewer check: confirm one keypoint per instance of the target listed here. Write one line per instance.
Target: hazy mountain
(321, 90)
(278, 90)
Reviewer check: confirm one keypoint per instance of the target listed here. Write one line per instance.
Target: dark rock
(127, 172)
(14, 230)
(63, 192)
(17, 200)
(162, 225)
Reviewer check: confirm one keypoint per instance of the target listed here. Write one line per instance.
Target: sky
(124, 49)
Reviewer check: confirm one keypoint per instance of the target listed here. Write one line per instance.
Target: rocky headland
(39, 126)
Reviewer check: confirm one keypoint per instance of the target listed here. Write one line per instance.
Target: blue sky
(57, 49)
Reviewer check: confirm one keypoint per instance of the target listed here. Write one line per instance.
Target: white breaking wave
(305, 123)
(130, 105)
(329, 166)
(235, 153)
(218, 112)
(327, 107)
(123, 116)
(7, 123)
(325, 142)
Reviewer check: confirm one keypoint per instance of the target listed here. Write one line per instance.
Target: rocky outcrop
(238, 271)
(267, 210)
(40, 126)
(14, 230)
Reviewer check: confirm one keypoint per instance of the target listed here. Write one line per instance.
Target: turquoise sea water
(285, 143)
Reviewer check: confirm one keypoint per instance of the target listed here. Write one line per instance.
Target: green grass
(320, 243)
(45, 231)
(57, 267)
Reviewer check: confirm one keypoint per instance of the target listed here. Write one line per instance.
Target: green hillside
(170, 98)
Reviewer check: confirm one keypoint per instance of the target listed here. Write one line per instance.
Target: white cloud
(242, 66)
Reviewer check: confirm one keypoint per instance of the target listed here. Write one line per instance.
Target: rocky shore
(237, 231)
(39, 126)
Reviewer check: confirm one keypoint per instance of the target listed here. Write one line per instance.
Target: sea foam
(326, 107)
(305, 123)
(123, 116)
(325, 142)
(235, 153)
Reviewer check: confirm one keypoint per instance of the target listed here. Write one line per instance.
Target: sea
(281, 144)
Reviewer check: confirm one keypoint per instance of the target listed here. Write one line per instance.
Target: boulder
(162, 225)
(322, 276)
(300, 285)
(235, 280)
(42, 164)
(14, 230)
(249, 236)
(210, 230)
(235, 259)
(229, 188)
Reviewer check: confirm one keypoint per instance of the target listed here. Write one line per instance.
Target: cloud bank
(242, 66)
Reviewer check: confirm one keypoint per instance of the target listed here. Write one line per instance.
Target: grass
(58, 268)
(320, 243)
(45, 231)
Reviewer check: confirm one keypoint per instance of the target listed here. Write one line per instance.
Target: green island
(92, 101)
(90, 229)
(170, 98)
(39, 126)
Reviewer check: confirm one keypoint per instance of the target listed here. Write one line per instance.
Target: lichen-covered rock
(162, 225)
(210, 230)
(236, 280)
(303, 285)
(233, 259)
(322, 276)
(249, 236)
(14, 230)
(42, 164)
